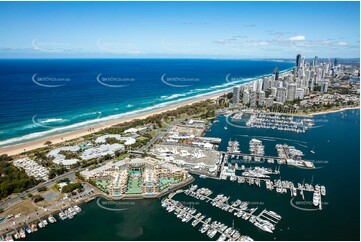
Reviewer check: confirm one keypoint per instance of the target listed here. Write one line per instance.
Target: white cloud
(297, 38)
(341, 43)
(260, 43)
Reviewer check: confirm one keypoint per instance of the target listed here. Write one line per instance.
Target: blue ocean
(42, 97)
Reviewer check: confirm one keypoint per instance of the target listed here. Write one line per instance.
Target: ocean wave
(85, 114)
(173, 96)
(53, 120)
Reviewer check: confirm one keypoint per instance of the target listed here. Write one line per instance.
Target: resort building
(193, 159)
(60, 159)
(126, 140)
(32, 168)
(102, 150)
(144, 176)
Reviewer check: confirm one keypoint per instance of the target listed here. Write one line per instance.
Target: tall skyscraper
(324, 86)
(236, 91)
(269, 102)
(298, 61)
(257, 85)
(281, 94)
(273, 91)
(335, 62)
(267, 83)
(312, 86)
(261, 98)
(253, 99)
(300, 93)
(276, 73)
(307, 75)
(245, 97)
(291, 92)
(315, 61)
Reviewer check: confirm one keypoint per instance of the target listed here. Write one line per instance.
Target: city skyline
(239, 30)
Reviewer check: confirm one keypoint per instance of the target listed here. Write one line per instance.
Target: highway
(15, 198)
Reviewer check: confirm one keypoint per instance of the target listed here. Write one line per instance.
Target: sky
(179, 29)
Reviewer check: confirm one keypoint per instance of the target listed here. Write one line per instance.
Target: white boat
(246, 238)
(323, 190)
(263, 226)
(204, 228)
(222, 237)
(69, 215)
(51, 219)
(72, 211)
(62, 215)
(41, 225)
(77, 209)
(275, 214)
(316, 198)
(212, 233)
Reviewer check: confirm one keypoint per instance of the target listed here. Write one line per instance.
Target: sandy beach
(55, 139)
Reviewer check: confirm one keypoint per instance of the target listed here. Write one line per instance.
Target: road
(160, 134)
(17, 197)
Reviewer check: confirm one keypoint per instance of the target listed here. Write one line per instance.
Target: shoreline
(333, 111)
(17, 149)
(75, 134)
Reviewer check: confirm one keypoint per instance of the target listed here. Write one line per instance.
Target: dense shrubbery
(66, 180)
(12, 179)
(71, 187)
(57, 171)
(69, 155)
(204, 109)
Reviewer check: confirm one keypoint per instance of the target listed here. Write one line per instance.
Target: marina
(21, 231)
(280, 186)
(186, 214)
(265, 220)
(279, 122)
(286, 154)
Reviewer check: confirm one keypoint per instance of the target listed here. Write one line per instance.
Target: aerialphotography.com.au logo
(233, 80)
(179, 81)
(50, 81)
(115, 206)
(307, 206)
(114, 80)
